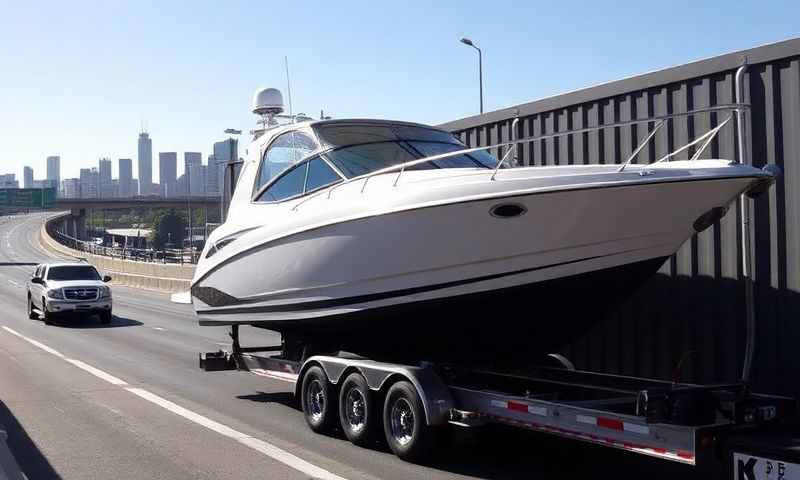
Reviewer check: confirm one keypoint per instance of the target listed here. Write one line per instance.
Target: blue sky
(77, 79)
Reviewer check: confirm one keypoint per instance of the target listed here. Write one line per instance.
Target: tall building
(72, 187)
(54, 170)
(27, 177)
(195, 176)
(104, 183)
(224, 152)
(212, 177)
(125, 167)
(8, 180)
(168, 173)
(88, 182)
(197, 180)
(145, 161)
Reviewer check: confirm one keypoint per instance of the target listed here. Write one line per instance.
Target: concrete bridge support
(77, 223)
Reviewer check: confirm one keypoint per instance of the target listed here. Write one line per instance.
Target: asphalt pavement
(82, 400)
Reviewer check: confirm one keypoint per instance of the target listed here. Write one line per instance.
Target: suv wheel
(31, 314)
(105, 317)
(46, 316)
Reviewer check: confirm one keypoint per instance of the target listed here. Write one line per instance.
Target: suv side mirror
(37, 280)
(107, 278)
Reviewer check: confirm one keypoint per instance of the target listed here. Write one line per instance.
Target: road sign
(27, 197)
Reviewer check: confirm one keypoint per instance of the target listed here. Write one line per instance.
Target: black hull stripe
(339, 302)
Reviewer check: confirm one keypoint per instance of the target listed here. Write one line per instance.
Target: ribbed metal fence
(692, 313)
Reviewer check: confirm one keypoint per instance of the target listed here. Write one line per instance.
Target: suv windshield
(73, 273)
(359, 149)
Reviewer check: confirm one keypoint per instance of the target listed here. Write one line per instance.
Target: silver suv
(56, 289)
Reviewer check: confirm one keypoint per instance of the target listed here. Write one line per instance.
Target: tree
(168, 228)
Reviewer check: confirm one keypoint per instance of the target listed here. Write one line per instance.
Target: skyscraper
(88, 182)
(195, 178)
(168, 173)
(104, 183)
(212, 176)
(145, 161)
(8, 180)
(54, 171)
(27, 177)
(72, 188)
(224, 152)
(125, 166)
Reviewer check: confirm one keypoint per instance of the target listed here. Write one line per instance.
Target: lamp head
(467, 41)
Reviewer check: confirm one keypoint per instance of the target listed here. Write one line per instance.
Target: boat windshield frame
(325, 149)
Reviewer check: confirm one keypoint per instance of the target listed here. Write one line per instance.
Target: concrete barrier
(146, 275)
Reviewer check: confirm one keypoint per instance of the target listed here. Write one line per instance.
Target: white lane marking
(261, 446)
(12, 282)
(34, 342)
(97, 372)
(256, 444)
(160, 329)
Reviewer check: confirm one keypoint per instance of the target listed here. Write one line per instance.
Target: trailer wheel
(357, 410)
(407, 433)
(316, 398)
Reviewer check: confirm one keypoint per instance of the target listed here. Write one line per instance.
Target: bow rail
(734, 108)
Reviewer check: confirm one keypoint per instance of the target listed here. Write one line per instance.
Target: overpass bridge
(134, 202)
(74, 225)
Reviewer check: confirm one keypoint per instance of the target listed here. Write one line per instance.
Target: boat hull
(507, 326)
(447, 279)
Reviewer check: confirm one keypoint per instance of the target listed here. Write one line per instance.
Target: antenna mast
(288, 84)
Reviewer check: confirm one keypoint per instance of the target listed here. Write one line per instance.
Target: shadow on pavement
(500, 453)
(93, 321)
(30, 459)
(284, 398)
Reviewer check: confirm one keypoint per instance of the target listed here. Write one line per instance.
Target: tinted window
(289, 185)
(473, 159)
(358, 160)
(320, 174)
(71, 272)
(286, 150)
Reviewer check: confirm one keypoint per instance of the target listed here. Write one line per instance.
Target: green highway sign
(27, 197)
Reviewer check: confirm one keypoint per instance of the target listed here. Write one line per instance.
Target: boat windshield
(359, 149)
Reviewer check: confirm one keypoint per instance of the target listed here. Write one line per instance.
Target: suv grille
(81, 293)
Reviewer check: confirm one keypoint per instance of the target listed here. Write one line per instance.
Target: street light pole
(467, 41)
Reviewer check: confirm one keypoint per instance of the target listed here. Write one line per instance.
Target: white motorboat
(394, 239)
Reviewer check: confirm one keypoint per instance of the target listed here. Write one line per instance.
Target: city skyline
(402, 62)
(106, 181)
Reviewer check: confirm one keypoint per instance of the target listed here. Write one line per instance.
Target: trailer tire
(407, 433)
(317, 400)
(358, 410)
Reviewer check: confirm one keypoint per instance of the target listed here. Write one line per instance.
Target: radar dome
(268, 101)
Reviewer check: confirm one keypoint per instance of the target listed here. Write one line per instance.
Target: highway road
(81, 401)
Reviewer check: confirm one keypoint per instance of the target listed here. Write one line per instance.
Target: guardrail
(158, 274)
(168, 255)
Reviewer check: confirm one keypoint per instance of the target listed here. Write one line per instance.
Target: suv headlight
(105, 292)
(56, 294)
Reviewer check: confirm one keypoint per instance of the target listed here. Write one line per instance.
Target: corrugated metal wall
(694, 307)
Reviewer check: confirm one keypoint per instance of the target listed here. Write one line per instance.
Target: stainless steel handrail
(735, 107)
(510, 149)
(641, 145)
(708, 135)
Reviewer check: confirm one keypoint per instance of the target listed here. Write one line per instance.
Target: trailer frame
(628, 413)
